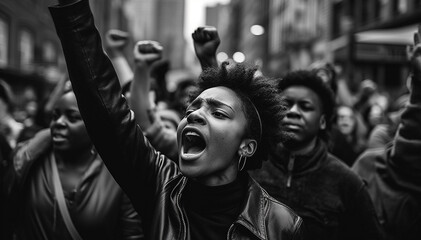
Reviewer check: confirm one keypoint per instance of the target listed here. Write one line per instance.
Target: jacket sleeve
(130, 220)
(25, 154)
(405, 160)
(135, 165)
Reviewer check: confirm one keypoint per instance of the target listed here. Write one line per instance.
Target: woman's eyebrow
(216, 103)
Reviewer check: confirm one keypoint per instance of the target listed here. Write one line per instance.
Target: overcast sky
(195, 14)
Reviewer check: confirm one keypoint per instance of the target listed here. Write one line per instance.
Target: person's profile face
(68, 130)
(303, 118)
(209, 136)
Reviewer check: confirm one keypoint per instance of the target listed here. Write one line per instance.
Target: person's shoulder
(280, 216)
(369, 160)
(338, 170)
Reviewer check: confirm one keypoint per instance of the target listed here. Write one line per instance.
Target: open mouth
(193, 143)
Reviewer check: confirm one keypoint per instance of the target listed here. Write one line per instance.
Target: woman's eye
(187, 112)
(219, 115)
(74, 118)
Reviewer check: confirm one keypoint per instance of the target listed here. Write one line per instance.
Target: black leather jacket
(153, 183)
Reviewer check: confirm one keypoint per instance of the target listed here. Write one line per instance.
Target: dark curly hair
(311, 80)
(260, 91)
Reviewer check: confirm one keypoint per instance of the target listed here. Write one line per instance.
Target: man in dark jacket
(393, 173)
(331, 199)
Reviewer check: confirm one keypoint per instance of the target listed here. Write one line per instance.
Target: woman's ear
(322, 122)
(247, 147)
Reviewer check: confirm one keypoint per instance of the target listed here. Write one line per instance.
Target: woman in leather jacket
(227, 127)
(64, 157)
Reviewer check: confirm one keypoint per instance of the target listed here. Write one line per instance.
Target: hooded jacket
(153, 182)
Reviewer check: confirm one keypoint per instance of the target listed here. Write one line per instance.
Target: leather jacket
(152, 181)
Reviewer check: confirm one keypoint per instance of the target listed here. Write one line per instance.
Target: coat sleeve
(405, 155)
(130, 220)
(133, 162)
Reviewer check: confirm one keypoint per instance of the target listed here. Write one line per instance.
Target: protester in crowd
(331, 199)
(159, 126)
(326, 71)
(226, 130)
(393, 173)
(156, 122)
(115, 43)
(383, 133)
(347, 142)
(9, 127)
(60, 189)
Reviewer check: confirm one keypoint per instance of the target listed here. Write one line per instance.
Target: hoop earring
(242, 162)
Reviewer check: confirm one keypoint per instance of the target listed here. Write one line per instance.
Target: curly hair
(312, 81)
(258, 90)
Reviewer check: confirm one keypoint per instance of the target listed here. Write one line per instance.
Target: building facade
(369, 40)
(31, 58)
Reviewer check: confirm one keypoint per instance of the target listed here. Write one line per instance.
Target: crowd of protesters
(232, 154)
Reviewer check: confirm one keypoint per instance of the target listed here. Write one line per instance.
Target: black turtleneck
(212, 209)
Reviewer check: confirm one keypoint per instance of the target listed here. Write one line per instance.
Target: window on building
(26, 49)
(4, 42)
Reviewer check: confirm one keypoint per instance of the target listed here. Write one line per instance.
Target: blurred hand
(147, 52)
(116, 39)
(206, 41)
(416, 55)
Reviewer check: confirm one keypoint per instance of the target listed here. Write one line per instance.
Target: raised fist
(116, 39)
(147, 52)
(206, 41)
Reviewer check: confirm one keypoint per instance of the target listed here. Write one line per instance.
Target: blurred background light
(221, 56)
(257, 30)
(239, 57)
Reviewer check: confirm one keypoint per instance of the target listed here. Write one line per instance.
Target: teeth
(192, 134)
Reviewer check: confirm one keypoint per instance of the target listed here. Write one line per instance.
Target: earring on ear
(242, 162)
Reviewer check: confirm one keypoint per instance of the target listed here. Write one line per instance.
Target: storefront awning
(397, 36)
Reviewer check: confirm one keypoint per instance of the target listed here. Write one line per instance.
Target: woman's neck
(75, 159)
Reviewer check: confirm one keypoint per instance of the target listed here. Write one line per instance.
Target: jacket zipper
(290, 168)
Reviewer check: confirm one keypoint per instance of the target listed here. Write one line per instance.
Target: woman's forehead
(221, 94)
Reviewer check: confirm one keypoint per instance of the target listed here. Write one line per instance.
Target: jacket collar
(252, 216)
(302, 163)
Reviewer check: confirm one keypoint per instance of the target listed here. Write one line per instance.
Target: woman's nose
(60, 120)
(195, 117)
